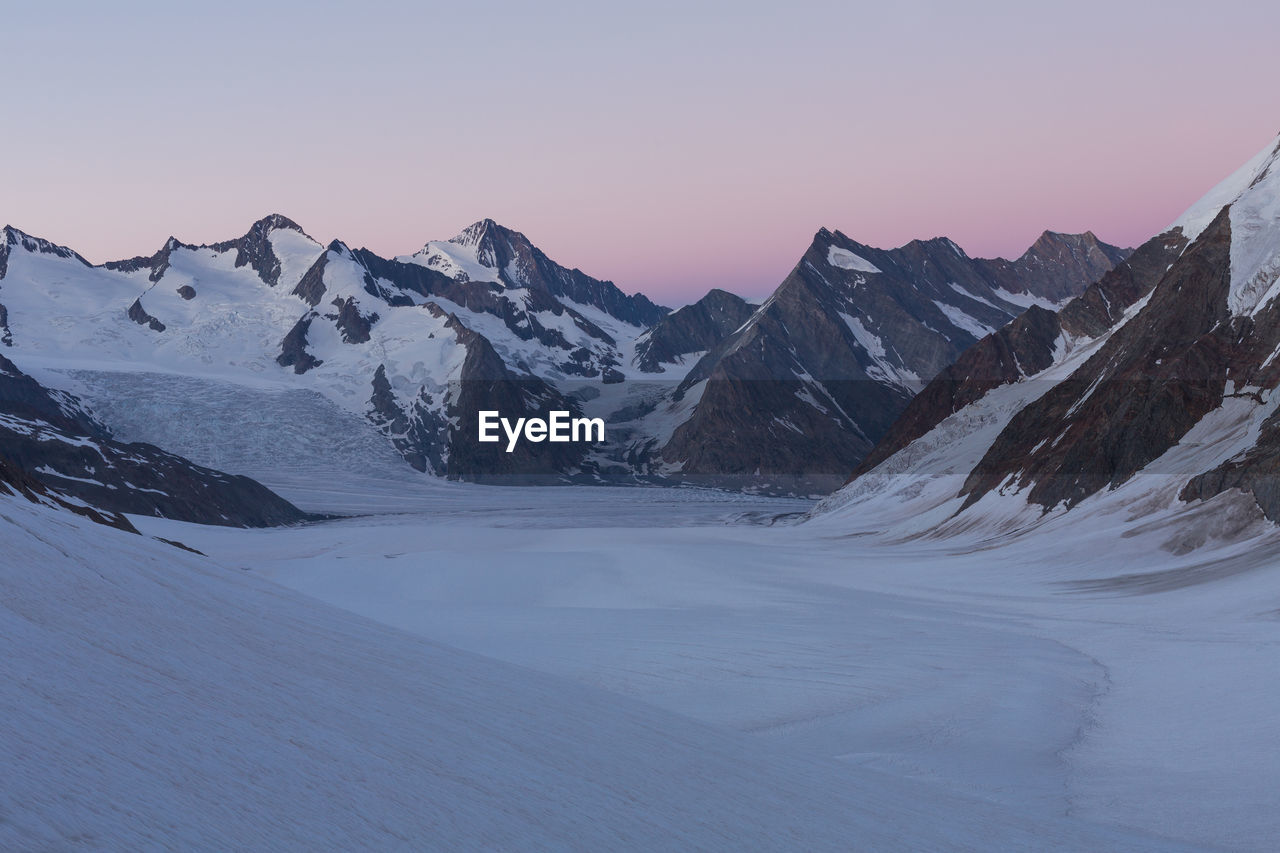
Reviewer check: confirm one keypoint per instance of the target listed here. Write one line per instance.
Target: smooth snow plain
(717, 672)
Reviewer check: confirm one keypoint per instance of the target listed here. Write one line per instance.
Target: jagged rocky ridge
(417, 344)
(781, 396)
(801, 391)
(1161, 379)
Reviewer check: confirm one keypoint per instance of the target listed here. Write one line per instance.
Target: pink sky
(670, 149)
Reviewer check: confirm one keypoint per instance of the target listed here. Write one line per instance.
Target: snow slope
(1082, 673)
(1161, 386)
(275, 310)
(158, 700)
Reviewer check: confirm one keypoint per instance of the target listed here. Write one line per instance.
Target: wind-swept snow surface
(154, 699)
(1098, 679)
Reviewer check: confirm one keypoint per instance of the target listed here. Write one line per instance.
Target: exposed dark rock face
(693, 328)
(807, 386)
(521, 264)
(52, 441)
(759, 416)
(487, 385)
(157, 263)
(353, 325)
(1026, 346)
(396, 283)
(1168, 369)
(187, 292)
(24, 398)
(1132, 400)
(1055, 265)
(441, 435)
(254, 248)
(420, 433)
(311, 286)
(139, 315)
(6, 336)
(14, 237)
(15, 481)
(1256, 471)
(293, 349)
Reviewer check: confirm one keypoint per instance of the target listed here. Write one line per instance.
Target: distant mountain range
(784, 396)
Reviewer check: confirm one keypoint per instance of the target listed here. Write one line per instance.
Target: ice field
(1079, 681)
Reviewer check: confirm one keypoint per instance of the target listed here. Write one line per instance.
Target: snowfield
(636, 669)
(155, 699)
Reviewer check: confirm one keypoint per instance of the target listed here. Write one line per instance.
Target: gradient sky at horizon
(670, 147)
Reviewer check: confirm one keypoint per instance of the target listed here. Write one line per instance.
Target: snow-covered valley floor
(580, 668)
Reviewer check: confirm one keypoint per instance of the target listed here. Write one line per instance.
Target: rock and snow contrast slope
(417, 345)
(1159, 383)
(800, 392)
(47, 437)
(158, 699)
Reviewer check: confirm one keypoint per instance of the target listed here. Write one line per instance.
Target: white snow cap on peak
(1199, 215)
(1253, 193)
(474, 233)
(462, 257)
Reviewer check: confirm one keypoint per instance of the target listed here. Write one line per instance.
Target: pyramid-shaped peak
(485, 232)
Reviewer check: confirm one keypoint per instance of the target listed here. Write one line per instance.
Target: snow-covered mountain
(1158, 384)
(416, 345)
(787, 395)
(800, 391)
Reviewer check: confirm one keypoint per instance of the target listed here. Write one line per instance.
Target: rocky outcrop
(353, 325)
(47, 437)
(310, 288)
(293, 349)
(694, 328)
(12, 237)
(487, 385)
(1054, 266)
(139, 315)
(419, 431)
(438, 432)
(254, 248)
(158, 264)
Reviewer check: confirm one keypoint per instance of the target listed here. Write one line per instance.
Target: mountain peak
(274, 222)
(477, 232)
(16, 236)
(484, 236)
(1053, 238)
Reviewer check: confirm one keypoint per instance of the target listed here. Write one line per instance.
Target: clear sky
(670, 147)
